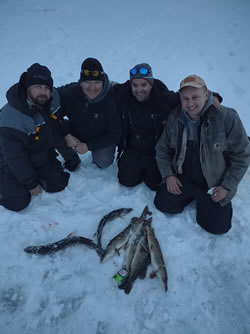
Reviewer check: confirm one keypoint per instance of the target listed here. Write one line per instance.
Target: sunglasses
(93, 73)
(141, 70)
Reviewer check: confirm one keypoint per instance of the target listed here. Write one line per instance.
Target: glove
(72, 164)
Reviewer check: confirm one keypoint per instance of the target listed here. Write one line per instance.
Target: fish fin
(143, 274)
(149, 220)
(152, 275)
(100, 253)
(128, 288)
(117, 251)
(71, 234)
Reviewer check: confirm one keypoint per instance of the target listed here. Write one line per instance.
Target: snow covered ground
(71, 291)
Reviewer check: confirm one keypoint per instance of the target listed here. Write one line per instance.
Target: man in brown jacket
(202, 155)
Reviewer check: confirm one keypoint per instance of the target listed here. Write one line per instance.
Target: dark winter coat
(94, 122)
(28, 135)
(142, 122)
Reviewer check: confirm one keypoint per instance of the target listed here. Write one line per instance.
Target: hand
(71, 141)
(173, 185)
(219, 193)
(81, 148)
(36, 191)
(216, 103)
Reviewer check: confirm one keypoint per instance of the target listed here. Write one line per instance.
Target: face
(39, 94)
(92, 88)
(141, 89)
(193, 100)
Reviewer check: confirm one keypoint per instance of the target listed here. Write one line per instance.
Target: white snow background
(71, 291)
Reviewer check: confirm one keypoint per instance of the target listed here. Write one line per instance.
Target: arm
(238, 152)
(164, 154)
(13, 145)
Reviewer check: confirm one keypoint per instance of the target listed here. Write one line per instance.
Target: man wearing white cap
(202, 155)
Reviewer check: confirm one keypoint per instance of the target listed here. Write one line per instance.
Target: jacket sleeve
(238, 152)
(13, 143)
(63, 111)
(164, 153)
(112, 133)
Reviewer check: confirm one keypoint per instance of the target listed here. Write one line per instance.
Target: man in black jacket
(144, 104)
(29, 134)
(94, 123)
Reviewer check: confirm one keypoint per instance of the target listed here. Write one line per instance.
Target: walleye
(107, 218)
(120, 240)
(139, 262)
(157, 262)
(61, 244)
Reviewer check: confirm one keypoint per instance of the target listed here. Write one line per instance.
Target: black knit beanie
(38, 75)
(91, 69)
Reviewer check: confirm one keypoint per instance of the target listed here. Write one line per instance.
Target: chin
(140, 98)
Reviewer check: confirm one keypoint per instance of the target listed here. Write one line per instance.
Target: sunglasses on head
(141, 70)
(93, 73)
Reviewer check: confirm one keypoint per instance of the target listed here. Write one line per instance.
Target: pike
(120, 240)
(107, 218)
(61, 244)
(139, 262)
(157, 261)
(133, 242)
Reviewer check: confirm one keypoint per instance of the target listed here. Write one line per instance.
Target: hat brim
(192, 84)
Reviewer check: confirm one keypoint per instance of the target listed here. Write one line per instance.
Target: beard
(41, 100)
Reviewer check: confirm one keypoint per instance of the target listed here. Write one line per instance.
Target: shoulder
(122, 90)
(55, 103)
(12, 118)
(228, 111)
(164, 95)
(158, 84)
(69, 89)
(173, 116)
(228, 114)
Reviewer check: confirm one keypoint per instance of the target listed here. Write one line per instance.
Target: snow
(71, 291)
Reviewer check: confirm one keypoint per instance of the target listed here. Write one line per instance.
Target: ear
(208, 92)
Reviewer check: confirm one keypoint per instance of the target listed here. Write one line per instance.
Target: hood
(17, 98)
(16, 95)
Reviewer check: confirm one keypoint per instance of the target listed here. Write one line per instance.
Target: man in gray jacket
(202, 155)
(29, 136)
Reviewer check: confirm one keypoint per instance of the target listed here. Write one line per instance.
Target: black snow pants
(15, 196)
(210, 215)
(135, 167)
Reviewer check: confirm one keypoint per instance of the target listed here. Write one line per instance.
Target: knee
(102, 164)
(164, 205)
(16, 204)
(152, 186)
(160, 202)
(57, 184)
(128, 183)
(215, 228)
(128, 179)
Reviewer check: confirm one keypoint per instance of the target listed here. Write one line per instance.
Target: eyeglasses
(93, 73)
(141, 70)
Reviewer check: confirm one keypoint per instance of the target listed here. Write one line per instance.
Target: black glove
(72, 164)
